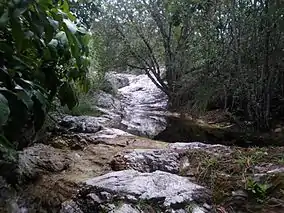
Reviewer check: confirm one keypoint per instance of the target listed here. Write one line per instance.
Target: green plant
(43, 55)
(281, 160)
(258, 190)
(85, 106)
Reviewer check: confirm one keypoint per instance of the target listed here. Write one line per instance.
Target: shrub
(43, 56)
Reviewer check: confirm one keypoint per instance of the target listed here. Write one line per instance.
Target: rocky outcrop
(137, 107)
(72, 171)
(162, 191)
(171, 159)
(83, 124)
(148, 160)
(41, 159)
(117, 80)
(152, 176)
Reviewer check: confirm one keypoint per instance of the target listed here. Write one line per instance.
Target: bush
(43, 56)
(85, 106)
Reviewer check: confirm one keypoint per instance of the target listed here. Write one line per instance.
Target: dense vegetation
(43, 57)
(203, 54)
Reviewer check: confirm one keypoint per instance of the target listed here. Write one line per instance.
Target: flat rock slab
(163, 191)
(211, 148)
(84, 124)
(148, 160)
(170, 159)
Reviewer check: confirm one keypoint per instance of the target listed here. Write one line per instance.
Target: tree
(216, 54)
(85, 10)
(146, 26)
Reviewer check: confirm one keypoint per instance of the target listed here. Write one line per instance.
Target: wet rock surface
(99, 164)
(168, 192)
(118, 80)
(137, 107)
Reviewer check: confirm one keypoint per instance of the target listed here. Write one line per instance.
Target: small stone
(70, 207)
(127, 208)
(105, 195)
(95, 198)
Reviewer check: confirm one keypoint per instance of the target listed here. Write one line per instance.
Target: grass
(86, 106)
(225, 173)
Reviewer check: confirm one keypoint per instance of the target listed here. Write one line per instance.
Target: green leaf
(53, 43)
(47, 55)
(24, 97)
(7, 149)
(20, 61)
(5, 48)
(45, 4)
(16, 1)
(19, 11)
(4, 19)
(39, 109)
(4, 110)
(65, 6)
(62, 38)
(71, 26)
(67, 95)
(75, 46)
(17, 33)
(49, 32)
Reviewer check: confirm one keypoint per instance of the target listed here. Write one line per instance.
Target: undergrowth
(228, 173)
(85, 106)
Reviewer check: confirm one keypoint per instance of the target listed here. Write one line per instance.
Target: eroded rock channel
(110, 164)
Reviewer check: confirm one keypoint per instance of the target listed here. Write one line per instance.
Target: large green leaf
(65, 6)
(25, 97)
(4, 110)
(17, 33)
(39, 109)
(67, 95)
(4, 19)
(39, 45)
(19, 11)
(62, 38)
(45, 4)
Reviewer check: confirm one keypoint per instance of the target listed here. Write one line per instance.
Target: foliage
(85, 106)
(258, 190)
(85, 10)
(43, 53)
(216, 54)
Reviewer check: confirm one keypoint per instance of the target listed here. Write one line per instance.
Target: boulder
(117, 80)
(84, 124)
(161, 191)
(107, 101)
(41, 159)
